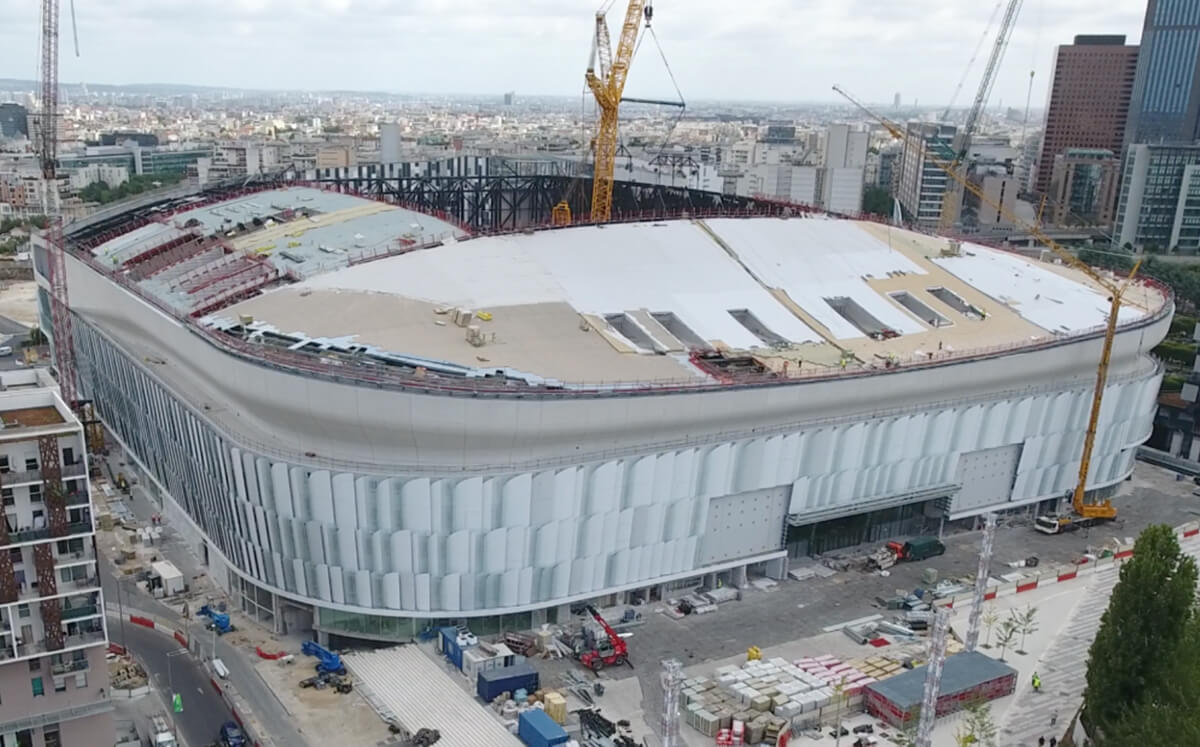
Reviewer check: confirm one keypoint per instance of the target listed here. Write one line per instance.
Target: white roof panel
(674, 267)
(1040, 295)
(813, 259)
(421, 695)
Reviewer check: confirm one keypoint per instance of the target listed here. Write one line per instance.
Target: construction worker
(1037, 683)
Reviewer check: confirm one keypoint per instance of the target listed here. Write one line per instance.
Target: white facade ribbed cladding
(411, 503)
(418, 544)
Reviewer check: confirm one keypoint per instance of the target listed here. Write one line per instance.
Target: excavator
(1084, 514)
(609, 652)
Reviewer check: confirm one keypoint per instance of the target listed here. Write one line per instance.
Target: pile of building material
(775, 695)
(803, 569)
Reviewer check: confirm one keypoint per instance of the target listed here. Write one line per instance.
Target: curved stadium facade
(365, 418)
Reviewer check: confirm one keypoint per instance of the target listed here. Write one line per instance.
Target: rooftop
(961, 672)
(627, 302)
(354, 281)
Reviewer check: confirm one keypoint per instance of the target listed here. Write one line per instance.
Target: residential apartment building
(993, 210)
(1165, 106)
(1090, 90)
(1159, 204)
(53, 673)
(1083, 187)
(921, 186)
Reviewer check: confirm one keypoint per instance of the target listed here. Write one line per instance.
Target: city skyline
(770, 52)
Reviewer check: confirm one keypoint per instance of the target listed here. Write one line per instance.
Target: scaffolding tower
(933, 677)
(672, 684)
(981, 581)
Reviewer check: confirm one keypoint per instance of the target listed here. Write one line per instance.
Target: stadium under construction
(378, 401)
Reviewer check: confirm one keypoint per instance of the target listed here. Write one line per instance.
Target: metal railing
(71, 665)
(69, 472)
(78, 611)
(43, 533)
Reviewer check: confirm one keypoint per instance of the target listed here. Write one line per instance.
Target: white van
(5, 351)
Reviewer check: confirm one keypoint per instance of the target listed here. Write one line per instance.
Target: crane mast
(1115, 289)
(605, 77)
(56, 271)
(952, 202)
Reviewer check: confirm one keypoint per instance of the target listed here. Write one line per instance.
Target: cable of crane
(74, 28)
(987, 30)
(682, 104)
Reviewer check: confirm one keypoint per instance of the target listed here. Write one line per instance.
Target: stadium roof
(594, 304)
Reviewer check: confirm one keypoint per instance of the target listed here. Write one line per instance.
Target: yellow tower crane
(1116, 290)
(606, 75)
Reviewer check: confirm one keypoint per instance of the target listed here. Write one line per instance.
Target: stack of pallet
(774, 695)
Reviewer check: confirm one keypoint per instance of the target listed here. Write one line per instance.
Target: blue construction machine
(218, 621)
(327, 661)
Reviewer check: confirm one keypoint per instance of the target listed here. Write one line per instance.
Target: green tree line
(1143, 677)
(103, 193)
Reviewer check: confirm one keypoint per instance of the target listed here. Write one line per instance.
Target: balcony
(30, 595)
(71, 665)
(19, 536)
(83, 610)
(79, 557)
(31, 476)
(38, 648)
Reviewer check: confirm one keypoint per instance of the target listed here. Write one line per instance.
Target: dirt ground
(324, 716)
(18, 301)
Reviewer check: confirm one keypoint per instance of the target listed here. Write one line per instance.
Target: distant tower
(509, 98)
(896, 100)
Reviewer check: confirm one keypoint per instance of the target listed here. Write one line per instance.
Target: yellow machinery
(1115, 289)
(606, 76)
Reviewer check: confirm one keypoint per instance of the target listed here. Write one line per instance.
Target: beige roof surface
(575, 282)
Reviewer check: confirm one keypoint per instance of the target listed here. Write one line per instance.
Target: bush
(1183, 325)
(1176, 352)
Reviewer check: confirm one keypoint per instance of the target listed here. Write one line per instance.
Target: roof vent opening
(681, 331)
(920, 310)
(758, 329)
(956, 302)
(863, 321)
(631, 330)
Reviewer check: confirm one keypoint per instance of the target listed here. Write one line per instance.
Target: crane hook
(648, 12)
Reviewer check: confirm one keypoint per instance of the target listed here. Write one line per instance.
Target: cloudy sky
(772, 50)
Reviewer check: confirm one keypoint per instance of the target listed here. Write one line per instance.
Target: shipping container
(536, 729)
(452, 645)
(491, 683)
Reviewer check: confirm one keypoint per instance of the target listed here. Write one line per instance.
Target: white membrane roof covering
(1040, 295)
(129, 245)
(422, 695)
(668, 267)
(813, 259)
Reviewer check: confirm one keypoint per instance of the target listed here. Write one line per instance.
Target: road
(263, 703)
(203, 710)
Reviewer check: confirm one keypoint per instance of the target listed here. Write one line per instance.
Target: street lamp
(171, 687)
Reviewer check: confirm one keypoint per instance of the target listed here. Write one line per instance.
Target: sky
(736, 50)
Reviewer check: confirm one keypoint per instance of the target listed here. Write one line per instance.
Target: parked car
(231, 735)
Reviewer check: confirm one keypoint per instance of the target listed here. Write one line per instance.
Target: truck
(161, 733)
(610, 650)
(915, 549)
(1059, 524)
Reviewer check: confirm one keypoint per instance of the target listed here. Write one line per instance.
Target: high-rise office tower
(1089, 99)
(1165, 107)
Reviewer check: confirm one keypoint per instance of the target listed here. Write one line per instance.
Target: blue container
(492, 682)
(450, 646)
(536, 729)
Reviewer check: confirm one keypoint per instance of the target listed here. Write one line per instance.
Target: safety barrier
(1062, 574)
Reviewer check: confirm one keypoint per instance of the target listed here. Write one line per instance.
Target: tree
(877, 201)
(1151, 609)
(1008, 633)
(37, 336)
(978, 727)
(1026, 624)
(990, 617)
(1168, 712)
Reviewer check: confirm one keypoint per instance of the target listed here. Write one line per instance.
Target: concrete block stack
(769, 696)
